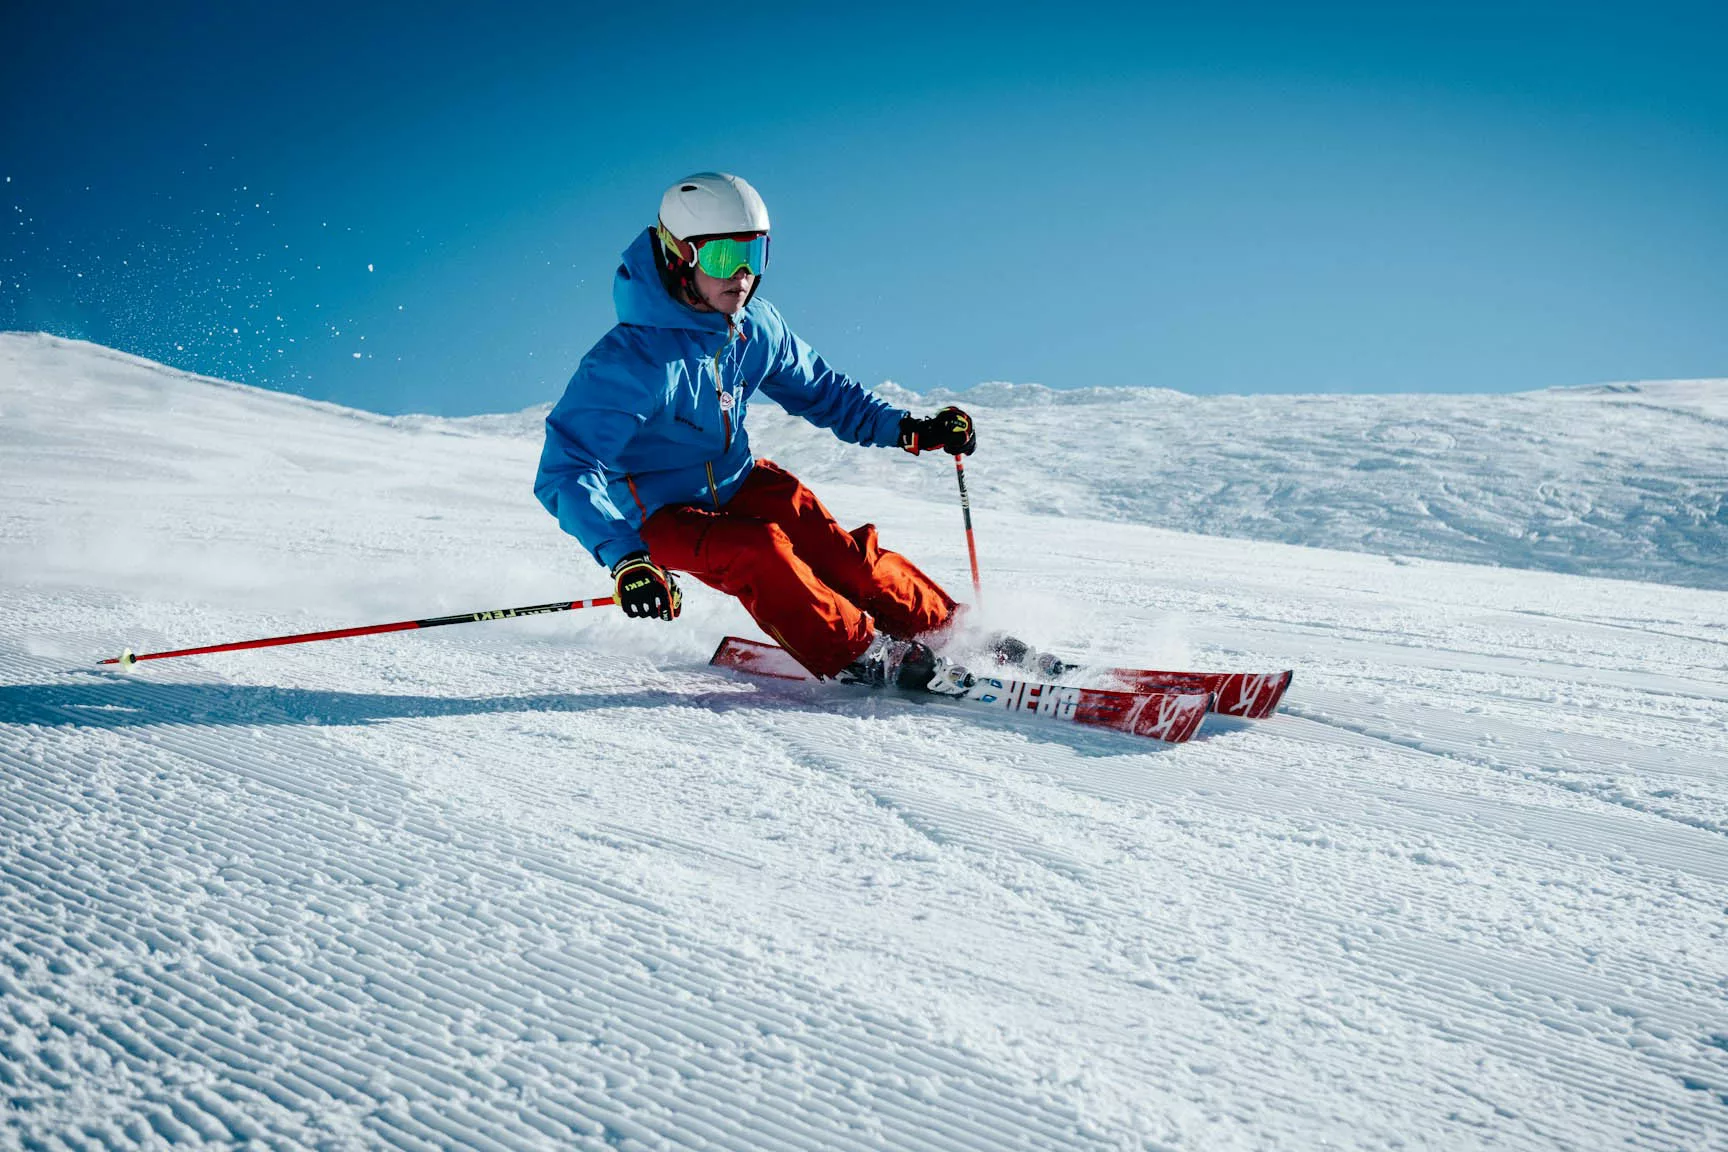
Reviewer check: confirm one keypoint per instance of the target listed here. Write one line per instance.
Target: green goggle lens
(725, 256)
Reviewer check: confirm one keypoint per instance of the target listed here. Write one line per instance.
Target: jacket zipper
(720, 393)
(725, 416)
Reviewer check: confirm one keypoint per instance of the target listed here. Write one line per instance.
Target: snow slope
(555, 883)
(1625, 480)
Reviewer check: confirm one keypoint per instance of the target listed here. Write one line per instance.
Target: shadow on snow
(112, 701)
(132, 703)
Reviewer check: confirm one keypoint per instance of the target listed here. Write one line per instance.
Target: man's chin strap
(678, 277)
(685, 277)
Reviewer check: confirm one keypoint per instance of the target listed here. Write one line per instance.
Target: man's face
(726, 296)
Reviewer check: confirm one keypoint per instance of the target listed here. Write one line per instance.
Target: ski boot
(1011, 651)
(908, 666)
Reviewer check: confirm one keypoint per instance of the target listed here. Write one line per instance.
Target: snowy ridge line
(1701, 417)
(34, 348)
(391, 976)
(1583, 480)
(1578, 484)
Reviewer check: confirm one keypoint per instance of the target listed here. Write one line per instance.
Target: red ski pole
(971, 544)
(128, 658)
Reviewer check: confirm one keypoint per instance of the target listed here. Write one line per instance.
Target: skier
(648, 464)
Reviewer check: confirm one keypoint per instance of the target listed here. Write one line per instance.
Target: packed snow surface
(555, 883)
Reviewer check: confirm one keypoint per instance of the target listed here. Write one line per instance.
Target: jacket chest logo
(726, 401)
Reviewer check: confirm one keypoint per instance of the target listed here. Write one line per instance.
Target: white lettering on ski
(1057, 702)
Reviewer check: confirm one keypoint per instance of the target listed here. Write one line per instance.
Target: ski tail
(758, 659)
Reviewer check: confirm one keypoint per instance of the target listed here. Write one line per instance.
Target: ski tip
(1277, 698)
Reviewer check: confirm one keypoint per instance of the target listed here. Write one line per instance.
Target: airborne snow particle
(368, 267)
(356, 355)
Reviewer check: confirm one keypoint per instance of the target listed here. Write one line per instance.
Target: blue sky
(423, 212)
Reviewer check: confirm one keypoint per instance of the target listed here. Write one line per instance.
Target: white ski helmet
(712, 204)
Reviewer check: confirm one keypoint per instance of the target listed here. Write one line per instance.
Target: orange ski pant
(818, 590)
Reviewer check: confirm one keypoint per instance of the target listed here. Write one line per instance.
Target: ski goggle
(723, 257)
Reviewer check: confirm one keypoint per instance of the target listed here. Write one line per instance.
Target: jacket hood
(641, 297)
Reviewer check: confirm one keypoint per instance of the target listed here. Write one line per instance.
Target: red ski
(1170, 714)
(1252, 695)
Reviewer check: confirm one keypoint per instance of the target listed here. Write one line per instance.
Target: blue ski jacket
(656, 412)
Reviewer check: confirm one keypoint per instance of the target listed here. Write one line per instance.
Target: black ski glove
(950, 430)
(645, 589)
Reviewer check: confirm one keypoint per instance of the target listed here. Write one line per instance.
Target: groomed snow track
(558, 884)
